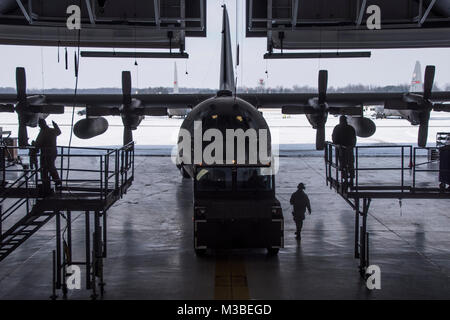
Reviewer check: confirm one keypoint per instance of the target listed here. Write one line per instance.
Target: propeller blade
(297, 110)
(46, 108)
(102, 111)
(127, 135)
(22, 135)
(320, 137)
(126, 87)
(6, 108)
(423, 128)
(428, 81)
(323, 84)
(21, 84)
(90, 127)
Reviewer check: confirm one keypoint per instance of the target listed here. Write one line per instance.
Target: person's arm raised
(57, 129)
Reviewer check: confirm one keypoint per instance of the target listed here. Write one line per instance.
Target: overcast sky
(384, 68)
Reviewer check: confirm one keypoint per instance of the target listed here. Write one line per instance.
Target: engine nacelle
(364, 127)
(90, 127)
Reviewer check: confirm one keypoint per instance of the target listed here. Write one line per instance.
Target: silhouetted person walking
(46, 142)
(300, 202)
(344, 136)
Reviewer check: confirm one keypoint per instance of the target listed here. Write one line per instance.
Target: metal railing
(407, 155)
(96, 173)
(431, 163)
(114, 168)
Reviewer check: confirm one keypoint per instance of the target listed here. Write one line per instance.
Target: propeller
(318, 117)
(323, 84)
(320, 133)
(318, 109)
(423, 105)
(129, 120)
(424, 116)
(29, 109)
(131, 112)
(22, 106)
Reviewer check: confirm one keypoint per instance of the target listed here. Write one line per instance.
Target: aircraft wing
(110, 104)
(116, 100)
(8, 98)
(301, 101)
(346, 101)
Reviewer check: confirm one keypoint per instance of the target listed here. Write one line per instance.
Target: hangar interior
(126, 219)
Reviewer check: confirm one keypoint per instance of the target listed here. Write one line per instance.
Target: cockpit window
(225, 121)
(254, 179)
(214, 179)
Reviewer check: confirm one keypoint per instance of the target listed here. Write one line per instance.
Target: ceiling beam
(24, 11)
(315, 55)
(183, 24)
(250, 14)
(361, 13)
(294, 12)
(90, 11)
(120, 54)
(157, 17)
(202, 15)
(427, 12)
(269, 26)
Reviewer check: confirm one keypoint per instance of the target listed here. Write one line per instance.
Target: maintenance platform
(93, 179)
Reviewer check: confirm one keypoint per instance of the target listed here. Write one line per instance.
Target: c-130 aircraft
(132, 108)
(224, 195)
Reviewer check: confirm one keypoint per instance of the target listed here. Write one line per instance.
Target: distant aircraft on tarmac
(177, 112)
(416, 86)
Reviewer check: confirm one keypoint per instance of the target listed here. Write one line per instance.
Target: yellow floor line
(231, 279)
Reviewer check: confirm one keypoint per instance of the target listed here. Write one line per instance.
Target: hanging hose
(77, 64)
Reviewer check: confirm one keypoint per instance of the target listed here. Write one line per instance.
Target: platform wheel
(273, 251)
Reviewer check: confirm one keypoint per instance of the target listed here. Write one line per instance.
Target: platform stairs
(25, 209)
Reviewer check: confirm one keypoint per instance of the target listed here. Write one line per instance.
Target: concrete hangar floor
(150, 249)
(150, 253)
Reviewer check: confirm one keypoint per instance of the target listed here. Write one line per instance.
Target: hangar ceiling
(341, 24)
(287, 24)
(104, 23)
